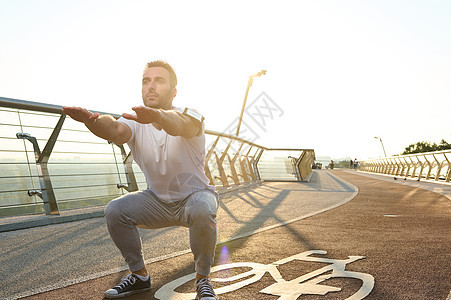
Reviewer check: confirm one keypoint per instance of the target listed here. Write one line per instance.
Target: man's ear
(174, 92)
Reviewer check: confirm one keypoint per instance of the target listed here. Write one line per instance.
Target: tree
(421, 147)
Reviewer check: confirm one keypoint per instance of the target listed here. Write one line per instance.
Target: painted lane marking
(307, 284)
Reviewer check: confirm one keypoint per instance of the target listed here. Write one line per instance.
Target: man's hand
(81, 114)
(144, 115)
(103, 126)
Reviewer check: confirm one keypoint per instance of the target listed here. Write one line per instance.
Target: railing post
(391, 166)
(377, 167)
(255, 163)
(448, 176)
(421, 168)
(386, 167)
(294, 164)
(309, 157)
(46, 193)
(408, 167)
(234, 175)
(429, 169)
(439, 167)
(402, 166)
(298, 166)
(244, 160)
(250, 164)
(220, 161)
(415, 164)
(127, 160)
(394, 166)
(207, 159)
(232, 165)
(381, 166)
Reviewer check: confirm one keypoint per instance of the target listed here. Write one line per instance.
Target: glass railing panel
(278, 165)
(14, 169)
(11, 145)
(86, 196)
(9, 131)
(16, 198)
(79, 136)
(13, 157)
(75, 169)
(67, 181)
(9, 116)
(40, 119)
(15, 176)
(79, 158)
(16, 182)
(82, 147)
(86, 191)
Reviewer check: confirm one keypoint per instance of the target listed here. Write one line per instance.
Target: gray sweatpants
(145, 209)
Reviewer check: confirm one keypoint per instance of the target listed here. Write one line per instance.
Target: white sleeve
(131, 124)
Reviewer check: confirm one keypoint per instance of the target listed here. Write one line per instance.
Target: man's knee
(113, 210)
(204, 209)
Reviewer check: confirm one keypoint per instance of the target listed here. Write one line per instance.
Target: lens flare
(224, 258)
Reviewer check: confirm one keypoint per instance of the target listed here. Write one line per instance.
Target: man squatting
(168, 144)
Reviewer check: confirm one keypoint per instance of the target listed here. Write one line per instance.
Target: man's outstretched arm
(103, 126)
(173, 122)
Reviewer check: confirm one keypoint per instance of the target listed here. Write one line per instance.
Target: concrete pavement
(397, 234)
(55, 256)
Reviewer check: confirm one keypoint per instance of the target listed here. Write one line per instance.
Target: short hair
(163, 64)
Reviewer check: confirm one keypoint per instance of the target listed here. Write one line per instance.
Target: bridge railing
(435, 166)
(49, 162)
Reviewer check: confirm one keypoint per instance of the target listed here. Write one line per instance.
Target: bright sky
(340, 72)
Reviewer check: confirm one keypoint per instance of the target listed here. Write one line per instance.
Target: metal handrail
(38, 106)
(241, 167)
(57, 109)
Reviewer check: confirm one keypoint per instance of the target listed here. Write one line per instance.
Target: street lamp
(376, 137)
(249, 84)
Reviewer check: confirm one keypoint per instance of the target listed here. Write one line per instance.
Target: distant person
(351, 165)
(355, 163)
(168, 144)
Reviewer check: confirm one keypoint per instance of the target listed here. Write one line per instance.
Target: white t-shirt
(173, 165)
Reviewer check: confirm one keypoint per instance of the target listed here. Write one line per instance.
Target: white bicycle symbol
(287, 290)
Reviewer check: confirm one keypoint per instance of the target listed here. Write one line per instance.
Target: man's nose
(151, 85)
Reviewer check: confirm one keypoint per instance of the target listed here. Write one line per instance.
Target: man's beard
(160, 101)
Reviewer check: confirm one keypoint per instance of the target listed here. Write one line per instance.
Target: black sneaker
(205, 290)
(129, 285)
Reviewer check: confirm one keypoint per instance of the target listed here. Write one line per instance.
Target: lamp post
(376, 137)
(249, 84)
